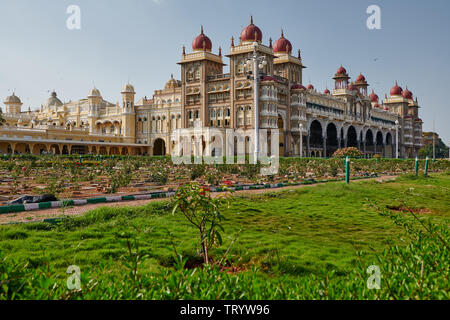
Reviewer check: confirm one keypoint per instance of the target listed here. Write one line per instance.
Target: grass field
(293, 235)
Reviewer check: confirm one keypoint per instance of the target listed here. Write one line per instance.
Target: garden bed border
(158, 194)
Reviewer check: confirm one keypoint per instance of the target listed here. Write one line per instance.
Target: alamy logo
(74, 281)
(74, 20)
(374, 20)
(211, 145)
(374, 281)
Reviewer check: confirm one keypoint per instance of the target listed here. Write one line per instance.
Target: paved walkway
(38, 215)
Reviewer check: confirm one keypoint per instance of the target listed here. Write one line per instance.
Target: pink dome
(282, 45)
(360, 78)
(202, 43)
(251, 33)
(341, 71)
(373, 97)
(298, 87)
(407, 94)
(396, 90)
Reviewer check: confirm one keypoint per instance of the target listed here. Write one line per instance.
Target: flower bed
(72, 177)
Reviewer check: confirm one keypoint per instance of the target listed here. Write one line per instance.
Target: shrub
(351, 152)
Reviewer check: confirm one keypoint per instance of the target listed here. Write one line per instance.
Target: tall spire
(201, 32)
(282, 33)
(232, 41)
(251, 19)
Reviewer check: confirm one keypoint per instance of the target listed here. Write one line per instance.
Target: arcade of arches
(66, 149)
(324, 139)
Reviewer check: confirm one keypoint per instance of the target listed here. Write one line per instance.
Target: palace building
(346, 116)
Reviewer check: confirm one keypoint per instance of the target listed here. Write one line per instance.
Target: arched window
(240, 67)
(197, 73)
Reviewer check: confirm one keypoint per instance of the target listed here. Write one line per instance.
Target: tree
(440, 148)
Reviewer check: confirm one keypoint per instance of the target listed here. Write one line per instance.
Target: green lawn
(293, 233)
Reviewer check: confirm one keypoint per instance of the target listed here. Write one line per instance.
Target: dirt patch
(408, 210)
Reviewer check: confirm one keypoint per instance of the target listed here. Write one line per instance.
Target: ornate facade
(324, 121)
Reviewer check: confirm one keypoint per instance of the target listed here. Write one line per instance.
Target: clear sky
(141, 41)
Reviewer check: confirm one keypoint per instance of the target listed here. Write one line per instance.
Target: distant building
(427, 138)
(346, 116)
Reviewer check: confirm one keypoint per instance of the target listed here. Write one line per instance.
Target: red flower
(228, 182)
(24, 168)
(203, 190)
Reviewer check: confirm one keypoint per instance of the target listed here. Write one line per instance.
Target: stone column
(364, 148)
(308, 151)
(31, 146)
(324, 140)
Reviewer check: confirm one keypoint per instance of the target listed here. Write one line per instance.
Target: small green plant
(204, 212)
(159, 175)
(118, 177)
(197, 171)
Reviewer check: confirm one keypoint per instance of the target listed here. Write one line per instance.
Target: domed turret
(128, 88)
(53, 101)
(251, 33)
(282, 45)
(12, 99)
(373, 97)
(202, 42)
(310, 87)
(341, 71)
(407, 94)
(13, 104)
(172, 83)
(326, 91)
(298, 87)
(95, 93)
(396, 90)
(360, 78)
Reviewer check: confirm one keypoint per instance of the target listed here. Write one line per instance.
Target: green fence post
(416, 166)
(81, 159)
(101, 158)
(426, 167)
(347, 170)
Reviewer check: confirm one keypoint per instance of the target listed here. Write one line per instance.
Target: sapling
(204, 212)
